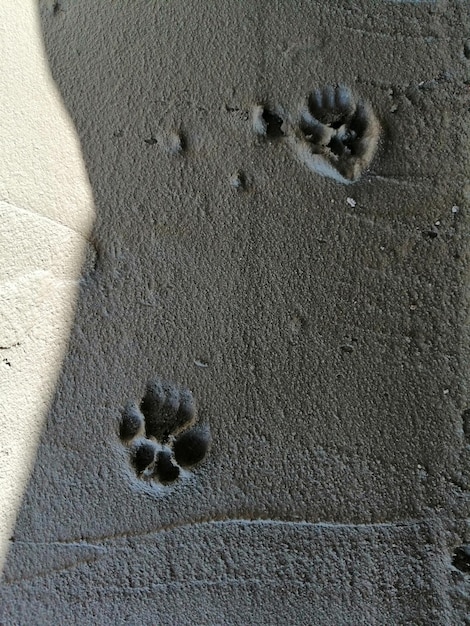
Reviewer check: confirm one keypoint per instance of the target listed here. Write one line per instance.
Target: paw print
(161, 432)
(338, 133)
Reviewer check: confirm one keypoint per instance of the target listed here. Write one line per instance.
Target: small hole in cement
(461, 558)
(273, 124)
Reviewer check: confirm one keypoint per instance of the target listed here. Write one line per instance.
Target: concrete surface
(321, 327)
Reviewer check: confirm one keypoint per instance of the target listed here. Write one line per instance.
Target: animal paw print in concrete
(337, 134)
(162, 434)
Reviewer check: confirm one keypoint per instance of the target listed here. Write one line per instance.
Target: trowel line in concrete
(321, 327)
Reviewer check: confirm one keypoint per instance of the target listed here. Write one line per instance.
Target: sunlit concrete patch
(46, 213)
(42, 166)
(40, 267)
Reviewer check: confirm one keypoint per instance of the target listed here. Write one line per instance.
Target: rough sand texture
(322, 327)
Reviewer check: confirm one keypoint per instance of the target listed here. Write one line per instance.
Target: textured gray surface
(238, 572)
(331, 321)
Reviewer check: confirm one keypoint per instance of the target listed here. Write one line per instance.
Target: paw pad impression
(161, 432)
(338, 134)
